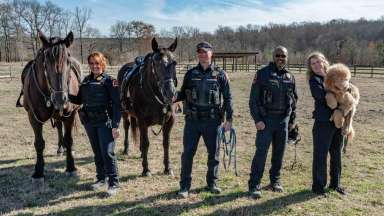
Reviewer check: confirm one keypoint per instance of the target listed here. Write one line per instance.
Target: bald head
(280, 57)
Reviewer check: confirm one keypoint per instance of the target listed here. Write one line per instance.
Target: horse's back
(123, 70)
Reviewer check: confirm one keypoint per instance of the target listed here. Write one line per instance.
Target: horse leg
(68, 142)
(38, 175)
(166, 135)
(126, 125)
(144, 146)
(60, 144)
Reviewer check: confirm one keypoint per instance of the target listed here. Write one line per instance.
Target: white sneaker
(112, 190)
(99, 184)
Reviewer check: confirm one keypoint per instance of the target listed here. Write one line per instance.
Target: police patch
(115, 83)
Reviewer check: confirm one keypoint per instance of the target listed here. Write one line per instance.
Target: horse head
(55, 58)
(164, 70)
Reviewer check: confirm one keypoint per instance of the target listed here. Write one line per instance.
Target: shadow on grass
(18, 192)
(146, 205)
(269, 206)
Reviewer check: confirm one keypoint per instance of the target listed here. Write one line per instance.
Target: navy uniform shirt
(224, 88)
(322, 112)
(113, 99)
(261, 79)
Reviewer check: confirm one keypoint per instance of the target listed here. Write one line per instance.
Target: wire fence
(13, 70)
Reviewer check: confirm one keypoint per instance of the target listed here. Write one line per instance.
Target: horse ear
(155, 45)
(69, 39)
(43, 38)
(173, 46)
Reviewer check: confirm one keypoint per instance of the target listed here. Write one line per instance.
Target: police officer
(204, 87)
(100, 115)
(272, 103)
(326, 137)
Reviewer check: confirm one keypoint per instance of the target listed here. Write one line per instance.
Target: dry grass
(363, 169)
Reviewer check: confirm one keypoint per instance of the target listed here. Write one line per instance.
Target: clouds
(208, 14)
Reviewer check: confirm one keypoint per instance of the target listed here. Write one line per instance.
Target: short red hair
(100, 58)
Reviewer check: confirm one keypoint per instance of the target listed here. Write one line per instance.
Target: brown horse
(47, 80)
(151, 91)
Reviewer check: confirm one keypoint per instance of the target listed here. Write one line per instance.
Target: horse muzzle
(59, 100)
(168, 91)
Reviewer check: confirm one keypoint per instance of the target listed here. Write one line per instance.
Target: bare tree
(6, 29)
(53, 17)
(35, 16)
(81, 17)
(119, 30)
(92, 35)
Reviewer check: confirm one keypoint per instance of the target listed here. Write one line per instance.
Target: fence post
(371, 71)
(10, 71)
(354, 70)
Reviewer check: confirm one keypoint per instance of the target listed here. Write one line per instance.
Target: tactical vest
(96, 101)
(278, 96)
(203, 97)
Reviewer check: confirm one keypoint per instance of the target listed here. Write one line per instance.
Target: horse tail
(134, 129)
(75, 121)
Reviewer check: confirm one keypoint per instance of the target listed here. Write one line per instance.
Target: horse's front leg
(68, 143)
(60, 137)
(38, 175)
(144, 146)
(166, 140)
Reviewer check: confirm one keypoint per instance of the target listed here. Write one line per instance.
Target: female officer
(326, 137)
(100, 115)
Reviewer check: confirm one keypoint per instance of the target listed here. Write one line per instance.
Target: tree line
(352, 42)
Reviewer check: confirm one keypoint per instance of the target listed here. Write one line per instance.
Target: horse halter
(161, 83)
(52, 91)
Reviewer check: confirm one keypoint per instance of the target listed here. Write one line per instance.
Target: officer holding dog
(100, 115)
(273, 108)
(206, 97)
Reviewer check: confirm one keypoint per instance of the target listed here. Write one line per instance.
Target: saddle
(128, 74)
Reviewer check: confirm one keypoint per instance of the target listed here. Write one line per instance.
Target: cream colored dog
(342, 96)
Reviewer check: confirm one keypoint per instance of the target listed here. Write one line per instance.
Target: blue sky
(208, 14)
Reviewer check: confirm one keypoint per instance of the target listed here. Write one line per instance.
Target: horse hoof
(146, 174)
(72, 174)
(169, 172)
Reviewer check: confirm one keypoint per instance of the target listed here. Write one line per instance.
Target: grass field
(362, 175)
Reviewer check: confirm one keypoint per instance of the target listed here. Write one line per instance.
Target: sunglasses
(280, 56)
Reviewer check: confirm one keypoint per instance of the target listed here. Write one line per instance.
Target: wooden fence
(13, 70)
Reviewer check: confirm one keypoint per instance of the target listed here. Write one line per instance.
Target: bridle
(160, 83)
(52, 91)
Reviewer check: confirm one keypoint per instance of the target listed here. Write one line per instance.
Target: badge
(288, 75)
(99, 78)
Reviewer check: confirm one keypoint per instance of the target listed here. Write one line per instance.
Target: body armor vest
(278, 93)
(205, 90)
(96, 101)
